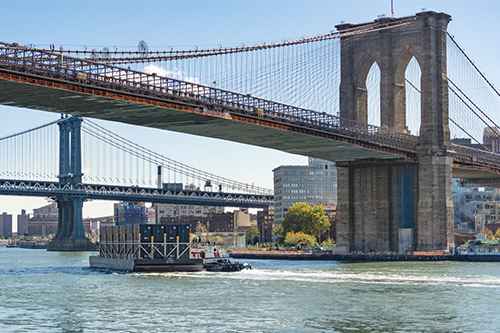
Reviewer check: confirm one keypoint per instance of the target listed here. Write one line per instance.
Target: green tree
(301, 217)
(252, 235)
(300, 240)
(280, 234)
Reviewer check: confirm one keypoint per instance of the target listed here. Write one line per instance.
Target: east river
(44, 291)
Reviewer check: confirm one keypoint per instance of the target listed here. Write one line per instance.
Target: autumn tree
(497, 234)
(300, 239)
(486, 231)
(301, 217)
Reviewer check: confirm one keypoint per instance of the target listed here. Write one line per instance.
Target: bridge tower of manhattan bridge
(394, 206)
(70, 235)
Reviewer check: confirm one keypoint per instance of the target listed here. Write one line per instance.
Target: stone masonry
(368, 216)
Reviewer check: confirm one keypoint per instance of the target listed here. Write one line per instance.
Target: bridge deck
(191, 119)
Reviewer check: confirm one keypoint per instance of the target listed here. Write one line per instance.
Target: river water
(44, 291)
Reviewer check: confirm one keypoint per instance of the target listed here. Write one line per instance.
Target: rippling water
(56, 292)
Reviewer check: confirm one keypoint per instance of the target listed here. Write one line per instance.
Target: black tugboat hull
(218, 267)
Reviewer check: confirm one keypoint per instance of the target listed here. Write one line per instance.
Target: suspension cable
(473, 64)
(453, 121)
(28, 131)
(195, 53)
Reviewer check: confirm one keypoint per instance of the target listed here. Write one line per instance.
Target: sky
(96, 24)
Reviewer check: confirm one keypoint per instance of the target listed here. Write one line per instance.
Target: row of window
(293, 173)
(333, 191)
(309, 184)
(308, 197)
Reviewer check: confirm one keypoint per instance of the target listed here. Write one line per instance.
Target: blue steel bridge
(46, 161)
(382, 99)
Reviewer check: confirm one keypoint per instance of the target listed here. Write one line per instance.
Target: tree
(201, 228)
(486, 231)
(327, 243)
(252, 235)
(280, 234)
(300, 240)
(301, 217)
(497, 234)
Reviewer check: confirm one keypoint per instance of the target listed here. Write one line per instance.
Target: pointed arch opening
(413, 77)
(373, 98)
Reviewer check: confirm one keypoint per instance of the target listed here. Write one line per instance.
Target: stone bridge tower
(398, 205)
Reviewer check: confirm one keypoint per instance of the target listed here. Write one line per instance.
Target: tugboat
(217, 261)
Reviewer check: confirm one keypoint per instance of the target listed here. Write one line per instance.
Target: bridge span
(394, 188)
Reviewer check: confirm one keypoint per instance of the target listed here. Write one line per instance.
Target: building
(95, 223)
(22, 223)
(6, 225)
(214, 222)
(129, 213)
(172, 210)
(265, 224)
(242, 220)
(491, 140)
(152, 215)
(44, 220)
(475, 207)
(491, 137)
(315, 183)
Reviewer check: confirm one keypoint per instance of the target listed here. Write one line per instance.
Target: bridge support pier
(435, 205)
(398, 207)
(70, 235)
(377, 206)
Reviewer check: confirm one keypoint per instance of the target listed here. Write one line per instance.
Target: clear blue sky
(171, 23)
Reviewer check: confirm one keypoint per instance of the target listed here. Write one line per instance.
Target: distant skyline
(188, 23)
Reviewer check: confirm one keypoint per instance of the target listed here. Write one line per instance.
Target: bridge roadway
(49, 82)
(139, 194)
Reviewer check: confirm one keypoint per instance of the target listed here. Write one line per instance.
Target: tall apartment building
(22, 223)
(315, 183)
(5, 225)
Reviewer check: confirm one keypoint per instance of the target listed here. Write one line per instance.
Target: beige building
(171, 210)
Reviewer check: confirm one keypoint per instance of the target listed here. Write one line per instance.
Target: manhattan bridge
(381, 99)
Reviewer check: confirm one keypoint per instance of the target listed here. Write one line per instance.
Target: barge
(146, 248)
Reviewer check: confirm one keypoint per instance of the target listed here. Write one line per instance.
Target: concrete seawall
(346, 257)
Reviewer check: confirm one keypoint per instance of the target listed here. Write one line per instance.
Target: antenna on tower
(392, 8)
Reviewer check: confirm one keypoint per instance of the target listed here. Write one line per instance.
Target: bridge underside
(477, 175)
(186, 119)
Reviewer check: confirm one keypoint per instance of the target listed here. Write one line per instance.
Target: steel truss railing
(102, 76)
(472, 156)
(123, 193)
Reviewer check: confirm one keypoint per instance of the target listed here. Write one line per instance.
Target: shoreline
(348, 257)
